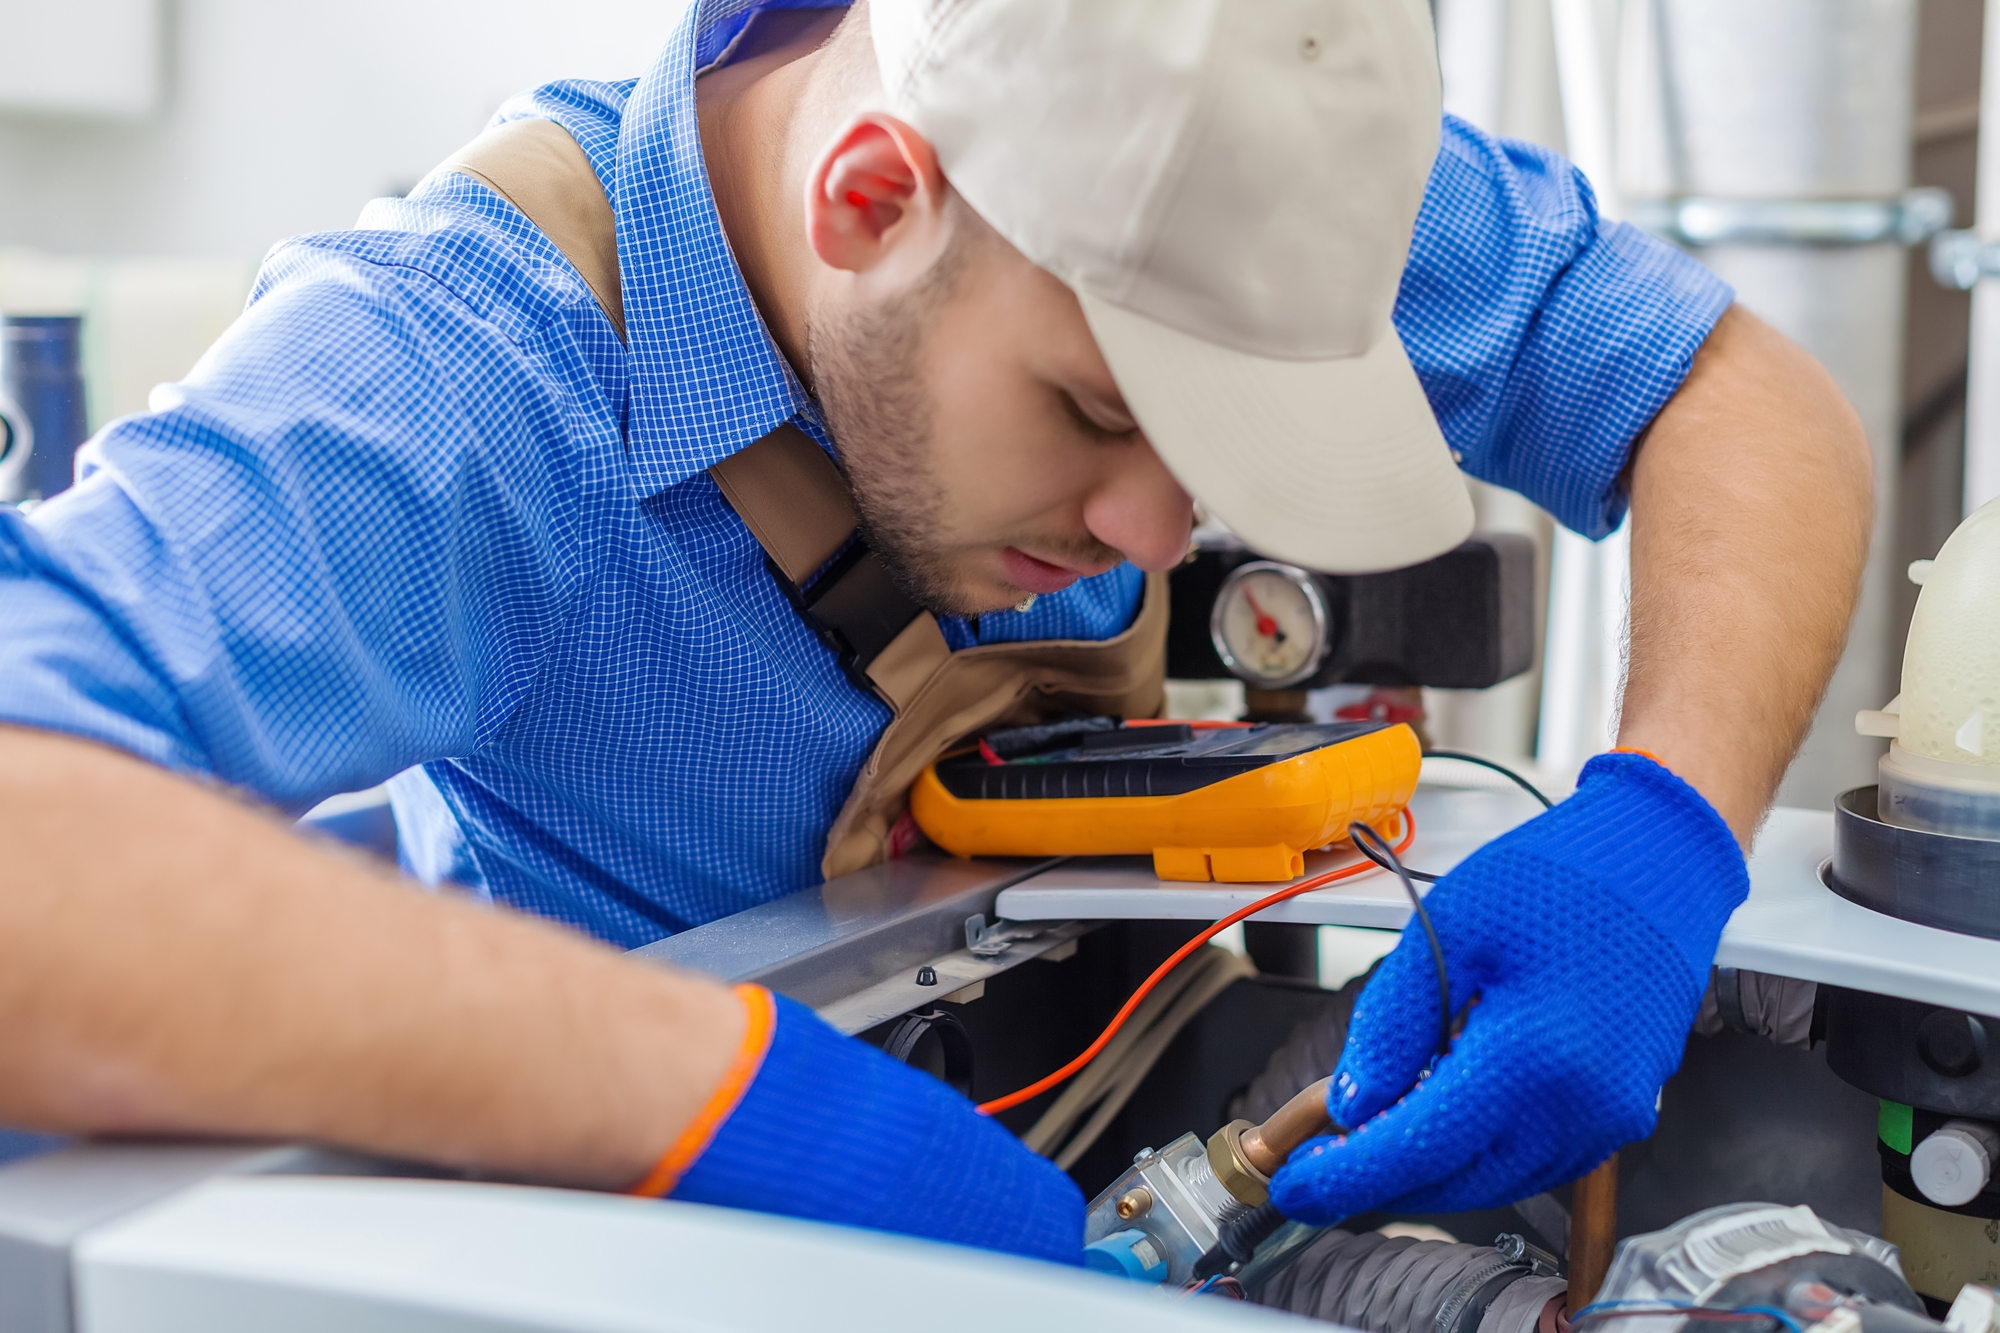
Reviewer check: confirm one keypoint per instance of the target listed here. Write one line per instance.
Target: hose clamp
(1475, 1284)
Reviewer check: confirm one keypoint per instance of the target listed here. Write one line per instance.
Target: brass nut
(1233, 1169)
(1134, 1203)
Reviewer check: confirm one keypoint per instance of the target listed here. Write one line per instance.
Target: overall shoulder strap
(783, 487)
(795, 502)
(536, 166)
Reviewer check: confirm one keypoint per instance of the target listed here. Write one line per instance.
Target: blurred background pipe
(1807, 101)
(1982, 407)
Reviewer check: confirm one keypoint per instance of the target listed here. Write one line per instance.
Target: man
(461, 502)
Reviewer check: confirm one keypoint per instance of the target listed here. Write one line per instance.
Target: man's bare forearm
(1752, 497)
(174, 961)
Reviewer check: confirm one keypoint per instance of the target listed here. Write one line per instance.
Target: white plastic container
(1942, 772)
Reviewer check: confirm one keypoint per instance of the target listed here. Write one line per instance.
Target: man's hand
(1587, 934)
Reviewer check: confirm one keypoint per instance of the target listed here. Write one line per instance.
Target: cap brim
(1334, 465)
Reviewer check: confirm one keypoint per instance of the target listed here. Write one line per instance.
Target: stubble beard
(865, 367)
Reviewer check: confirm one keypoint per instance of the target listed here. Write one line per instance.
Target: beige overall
(796, 503)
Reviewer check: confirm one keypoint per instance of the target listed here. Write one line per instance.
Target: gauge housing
(1463, 621)
(1315, 601)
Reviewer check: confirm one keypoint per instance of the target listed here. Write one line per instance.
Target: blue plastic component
(41, 370)
(1132, 1254)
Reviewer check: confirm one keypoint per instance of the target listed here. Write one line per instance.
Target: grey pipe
(1398, 1284)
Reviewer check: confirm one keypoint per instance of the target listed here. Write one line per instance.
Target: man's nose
(1142, 511)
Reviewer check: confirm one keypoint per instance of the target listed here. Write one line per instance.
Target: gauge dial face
(1269, 624)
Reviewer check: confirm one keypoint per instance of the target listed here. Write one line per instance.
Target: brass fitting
(1245, 1156)
(1134, 1203)
(1232, 1165)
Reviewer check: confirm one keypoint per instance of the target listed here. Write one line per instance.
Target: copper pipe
(1593, 1233)
(1268, 1145)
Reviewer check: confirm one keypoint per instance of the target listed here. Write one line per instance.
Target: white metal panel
(1451, 825)
(1792, 925)
(1795, 926)
(319, 1255)
(80, 57)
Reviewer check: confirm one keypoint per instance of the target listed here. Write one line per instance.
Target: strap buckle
(854, 608)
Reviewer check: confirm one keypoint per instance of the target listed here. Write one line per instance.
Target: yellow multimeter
(1230, 802)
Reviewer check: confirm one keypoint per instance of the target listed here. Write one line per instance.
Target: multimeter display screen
(1099, 757)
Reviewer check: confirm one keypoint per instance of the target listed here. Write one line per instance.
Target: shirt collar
(707, 379)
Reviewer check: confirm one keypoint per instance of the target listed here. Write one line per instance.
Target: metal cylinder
(1982, 400)
(41, 371)
(1805, 100)
(1934, 879)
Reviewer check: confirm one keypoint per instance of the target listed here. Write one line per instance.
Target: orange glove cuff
(1633, 749)
(762, 1018)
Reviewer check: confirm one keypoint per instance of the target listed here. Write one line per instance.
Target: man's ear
(876, 195)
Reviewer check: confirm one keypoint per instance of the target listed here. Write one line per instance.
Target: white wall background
(282, 116)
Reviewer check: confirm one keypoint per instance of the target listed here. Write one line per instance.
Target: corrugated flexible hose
(1398, 1284)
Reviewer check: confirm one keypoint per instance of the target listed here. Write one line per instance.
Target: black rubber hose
(1309, 1054)
(1241, 1235)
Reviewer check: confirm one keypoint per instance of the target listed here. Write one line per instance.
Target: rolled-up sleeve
(340, 548)
(1546, 337)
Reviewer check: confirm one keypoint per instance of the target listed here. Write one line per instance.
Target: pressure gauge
(1269, 624)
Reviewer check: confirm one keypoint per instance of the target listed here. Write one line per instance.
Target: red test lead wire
(1180, 955)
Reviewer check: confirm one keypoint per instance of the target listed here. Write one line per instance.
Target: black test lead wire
(1241, 1235)
(1377, 849)
(1499, 768)
(1502, 770)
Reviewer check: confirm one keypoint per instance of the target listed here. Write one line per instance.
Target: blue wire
(1601, 1309)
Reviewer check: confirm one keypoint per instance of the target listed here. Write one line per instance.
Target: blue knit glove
(833, 1130)
(1586, 935)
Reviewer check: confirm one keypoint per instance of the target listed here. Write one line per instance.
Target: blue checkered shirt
(420, 515)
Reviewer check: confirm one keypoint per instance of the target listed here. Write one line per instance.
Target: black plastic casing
(1463, 621)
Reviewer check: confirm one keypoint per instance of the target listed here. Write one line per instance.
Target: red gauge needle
(1266, 625)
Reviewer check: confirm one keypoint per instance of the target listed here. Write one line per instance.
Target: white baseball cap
(1229, 187)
